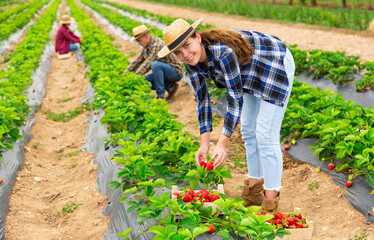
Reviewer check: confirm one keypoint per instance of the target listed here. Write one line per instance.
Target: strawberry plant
(11, 24)
(125, 234)
(207, 177)
(243, 221)
(15, 79)
(344, 130)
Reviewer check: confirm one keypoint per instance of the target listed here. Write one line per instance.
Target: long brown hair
(234, 40)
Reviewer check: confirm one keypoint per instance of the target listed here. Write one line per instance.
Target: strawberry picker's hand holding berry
(202, 153)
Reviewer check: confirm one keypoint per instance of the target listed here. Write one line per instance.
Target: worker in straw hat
(166, 72)
(257, 70)
(65, 38)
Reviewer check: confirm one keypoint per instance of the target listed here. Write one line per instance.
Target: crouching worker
(65, 38)
(166, 72)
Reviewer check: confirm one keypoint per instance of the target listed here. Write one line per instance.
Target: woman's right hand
(201, 154)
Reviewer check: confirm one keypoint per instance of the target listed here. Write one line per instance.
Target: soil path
(57, 173)
(307, 37)
(316, 194)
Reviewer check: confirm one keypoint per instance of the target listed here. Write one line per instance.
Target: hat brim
(67, 22)
(138, 36)
(166, 51)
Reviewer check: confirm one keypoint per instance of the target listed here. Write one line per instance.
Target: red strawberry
(33, 90)
(213, 102)
(299, 225)
(196, 194)
(213, 197)
(109, 127)
(331, 166)
(176, 194)
(209, 166)
(211, 228)
(1, 180)
(202, 163)
(286, 148)
(278, 215)
(194, 199)
(95, 112)
(206, 200)
(85, 66)
(348, 184)
(187, 198)
(278, 221)
(191, 192)
(291, 221)
(204, 193)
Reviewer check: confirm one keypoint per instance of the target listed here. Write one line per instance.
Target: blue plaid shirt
(264, 77)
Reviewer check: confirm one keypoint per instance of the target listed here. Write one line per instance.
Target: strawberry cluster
(287, 221)
(197, 196)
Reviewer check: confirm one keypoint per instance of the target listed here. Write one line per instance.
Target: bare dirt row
(58, 176)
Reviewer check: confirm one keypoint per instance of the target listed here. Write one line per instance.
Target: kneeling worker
(166, 72)
(65, 38)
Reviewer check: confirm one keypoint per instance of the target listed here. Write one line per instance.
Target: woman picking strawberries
(257, 70)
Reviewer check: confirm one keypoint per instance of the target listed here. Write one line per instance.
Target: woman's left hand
(219, 156)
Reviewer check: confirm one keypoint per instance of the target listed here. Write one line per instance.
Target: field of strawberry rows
(142, 151)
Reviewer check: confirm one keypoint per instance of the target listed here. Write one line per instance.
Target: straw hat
(139, 31)
(176, 34)
(66, 19)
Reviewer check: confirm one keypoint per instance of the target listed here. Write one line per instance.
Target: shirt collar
(210, 59)
(151, 41)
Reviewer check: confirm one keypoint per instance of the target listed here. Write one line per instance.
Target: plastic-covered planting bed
(13, 159)
(359, 194)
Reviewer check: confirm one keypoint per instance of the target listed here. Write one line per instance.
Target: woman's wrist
(222, 141)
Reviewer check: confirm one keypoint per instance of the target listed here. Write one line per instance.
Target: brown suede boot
(270, 205)
(254, 195)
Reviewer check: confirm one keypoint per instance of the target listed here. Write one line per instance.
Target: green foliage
(345, 131)
(70, 207)
(17, 77)
(65, 117)
(18, 18)
(36, 144)
(155, 17)
(312, 186)
(337, 18)
(74, 153)
(207, 179)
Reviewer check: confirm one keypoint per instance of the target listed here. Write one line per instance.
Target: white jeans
(260, 127)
